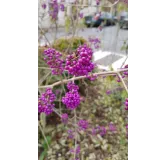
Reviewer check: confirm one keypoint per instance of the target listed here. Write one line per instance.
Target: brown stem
(82, 77)
(123, 82)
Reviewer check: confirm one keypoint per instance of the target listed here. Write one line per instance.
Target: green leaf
(45, 144)
(43, 119)
(122, 141)
(43, 154)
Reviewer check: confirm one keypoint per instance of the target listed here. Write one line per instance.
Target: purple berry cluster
(70, 134)
(44, 6)
(62, 7)
(97, 2)
(64, 118)
(124, 74)
(108, 92)
(83, 124)
(45, 102)
(54, 61)
(72, 87)
(81, 15)
(80, 62)
(95, 42)
(102, 130)
(126, 104)
(76, 151)
(94, 131)
(118, 79)
(72, 98)
(54, 9)
(99, 130)
(112, 127)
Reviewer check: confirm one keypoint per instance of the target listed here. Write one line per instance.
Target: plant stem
(56, 112)
(82, 77)
(43, 78)
(44, 68)
(60, 102)
(45, 36)
(123, 82)
(75, 121)
(124, 61)
(43, 134)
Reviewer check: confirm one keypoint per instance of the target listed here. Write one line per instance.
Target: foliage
(43, 154)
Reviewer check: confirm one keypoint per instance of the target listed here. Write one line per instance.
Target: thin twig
(76, 134)
(82, 77)
(56, 112)
(60, 106)
(43, 78)
(123, 82)
(44, 68)
(62, 85)
(124, 61)
(45, 36)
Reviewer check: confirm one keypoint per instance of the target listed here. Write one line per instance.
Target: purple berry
(108, 92)
(81, 15)
(62, 7)
(112, 127)
(64, 118)
(126, 104)
(102, 131)
(70, 134)
(83, 124)
(44, 6)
